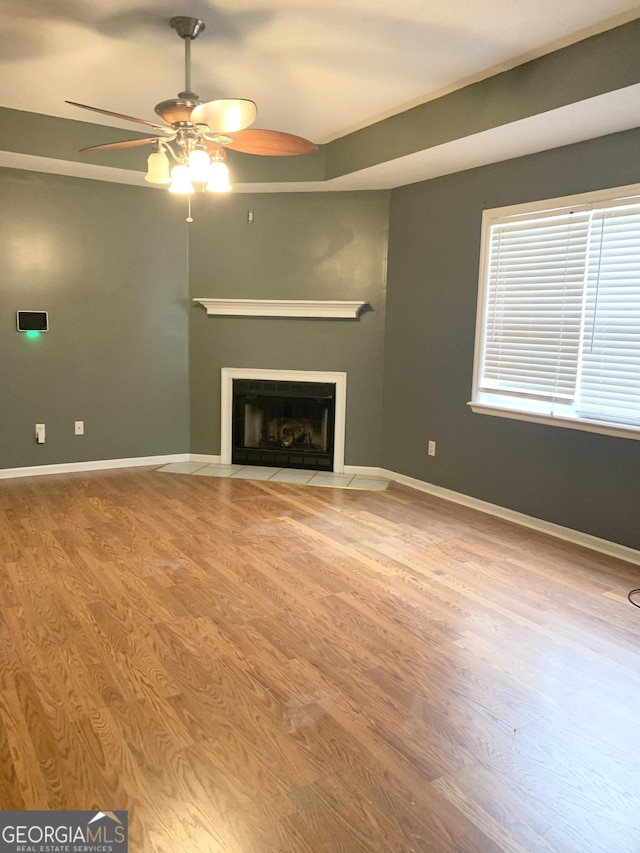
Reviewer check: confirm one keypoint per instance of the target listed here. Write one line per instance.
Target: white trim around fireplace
(228, 374)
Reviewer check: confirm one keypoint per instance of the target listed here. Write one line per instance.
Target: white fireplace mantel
(329, 309)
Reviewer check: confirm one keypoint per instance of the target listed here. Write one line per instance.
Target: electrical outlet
(40, 433)
(432, 448)
(78, 427)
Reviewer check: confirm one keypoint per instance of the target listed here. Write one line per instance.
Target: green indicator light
(33, 334)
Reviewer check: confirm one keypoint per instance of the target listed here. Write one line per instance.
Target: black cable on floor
(632, 593)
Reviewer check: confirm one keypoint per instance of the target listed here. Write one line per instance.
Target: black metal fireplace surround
(283, 424)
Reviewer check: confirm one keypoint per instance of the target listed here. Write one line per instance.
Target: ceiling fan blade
(116, 115)
(270, 143)
(226, 115)
(126, 143)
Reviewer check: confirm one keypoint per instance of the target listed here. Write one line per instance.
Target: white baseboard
(366, 471)
(603, 546)
(94, 465)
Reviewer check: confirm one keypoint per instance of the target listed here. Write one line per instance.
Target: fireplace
(283, 424)
(283, 419)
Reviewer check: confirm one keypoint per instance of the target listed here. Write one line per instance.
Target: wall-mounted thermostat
(32, 321)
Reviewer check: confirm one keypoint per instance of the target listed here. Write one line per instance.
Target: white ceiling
(318, 69)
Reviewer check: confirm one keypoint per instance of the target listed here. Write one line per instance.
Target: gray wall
(299, 246)
(581, 480)
(109, 264)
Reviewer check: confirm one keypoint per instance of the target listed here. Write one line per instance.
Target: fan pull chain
(189, 217)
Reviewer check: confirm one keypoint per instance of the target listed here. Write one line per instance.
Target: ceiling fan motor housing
(177, 109)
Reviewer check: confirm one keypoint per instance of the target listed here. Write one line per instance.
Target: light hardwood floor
(265, 668)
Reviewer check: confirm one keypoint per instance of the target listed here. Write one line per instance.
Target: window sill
(567, 423)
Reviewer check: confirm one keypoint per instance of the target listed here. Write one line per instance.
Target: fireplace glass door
(283, 424)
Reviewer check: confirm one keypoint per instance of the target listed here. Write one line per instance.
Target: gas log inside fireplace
(283, 424)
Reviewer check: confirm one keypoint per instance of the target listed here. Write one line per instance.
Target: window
(558, 330)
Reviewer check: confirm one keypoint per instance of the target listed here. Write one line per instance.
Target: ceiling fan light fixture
(218, 175)
(158, 168)
(181, 180)
(199, 166)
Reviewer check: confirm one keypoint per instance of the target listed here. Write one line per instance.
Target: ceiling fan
(194, 134)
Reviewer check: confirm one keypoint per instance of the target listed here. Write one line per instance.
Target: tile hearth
(278, 475)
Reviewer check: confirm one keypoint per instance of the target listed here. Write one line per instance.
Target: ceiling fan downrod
(188, 29)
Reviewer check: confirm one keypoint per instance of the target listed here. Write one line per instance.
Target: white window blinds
(559, 324)
(609, 386)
